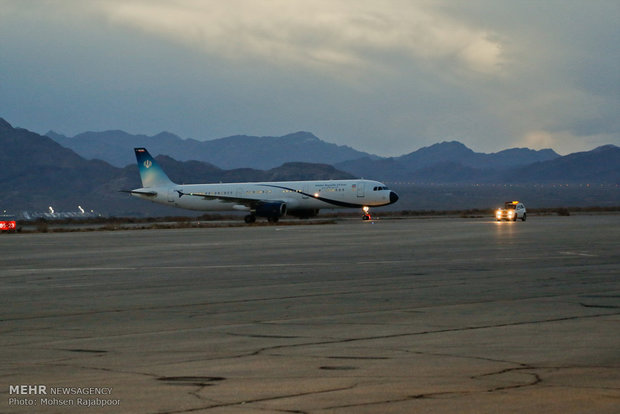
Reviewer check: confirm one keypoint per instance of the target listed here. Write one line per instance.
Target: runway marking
(579, 254)
(105, 269)
(69, 269)
(384, 262)
(206, 267)
(246, 266)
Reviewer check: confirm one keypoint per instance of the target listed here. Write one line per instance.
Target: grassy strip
(223, 220)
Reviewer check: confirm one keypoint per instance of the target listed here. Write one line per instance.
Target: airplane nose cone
(393, 197)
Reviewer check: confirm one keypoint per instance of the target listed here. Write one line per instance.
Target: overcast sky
(387, 77)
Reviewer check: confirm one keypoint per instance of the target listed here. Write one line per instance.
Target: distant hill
(195, 172)
(457, 152)
(445, 162)
(239, 151)
(38, 172)
(450, 162)
(454, 163)
(601, 165)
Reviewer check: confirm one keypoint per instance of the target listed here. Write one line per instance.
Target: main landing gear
(251, 218)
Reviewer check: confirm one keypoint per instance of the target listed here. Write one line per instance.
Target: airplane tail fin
(151, 172)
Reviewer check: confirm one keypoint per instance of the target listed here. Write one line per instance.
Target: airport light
(8, 225)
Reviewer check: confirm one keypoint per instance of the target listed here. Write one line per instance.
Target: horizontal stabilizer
(146, 193)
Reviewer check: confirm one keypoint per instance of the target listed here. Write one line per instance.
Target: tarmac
(391, 316)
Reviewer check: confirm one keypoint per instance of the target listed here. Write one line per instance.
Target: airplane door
(304, 190)
(171, 194)
(360, 189)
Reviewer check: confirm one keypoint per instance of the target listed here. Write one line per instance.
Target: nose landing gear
(366, 215)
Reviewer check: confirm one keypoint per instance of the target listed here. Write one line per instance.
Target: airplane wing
(249, 202)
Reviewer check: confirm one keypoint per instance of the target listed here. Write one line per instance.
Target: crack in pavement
(115, 371)
(254, 300)
(479, 358)
(585, 305)
(535, 381)
(264, 336)
(438, 331)
(398, 335)
(403, 399)
(259, 400)
(449, 394)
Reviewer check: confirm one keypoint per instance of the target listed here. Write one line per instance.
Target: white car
(512, 211)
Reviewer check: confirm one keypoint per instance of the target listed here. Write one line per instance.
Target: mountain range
(445, 162)
(239, 151)
(450, 162)
(36, 172)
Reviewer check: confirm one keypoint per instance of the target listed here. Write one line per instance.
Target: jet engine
(271, 210)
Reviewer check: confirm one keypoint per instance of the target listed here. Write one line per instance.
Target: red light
(7, 225)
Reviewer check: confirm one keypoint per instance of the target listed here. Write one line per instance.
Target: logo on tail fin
(150, 171)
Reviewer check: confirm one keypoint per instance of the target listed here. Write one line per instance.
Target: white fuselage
(298, 195)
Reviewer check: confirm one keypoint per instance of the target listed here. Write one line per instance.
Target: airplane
(272, 200)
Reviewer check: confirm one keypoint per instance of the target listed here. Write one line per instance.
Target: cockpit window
(381, 188)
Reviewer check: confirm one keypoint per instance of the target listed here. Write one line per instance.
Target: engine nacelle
(271, 210)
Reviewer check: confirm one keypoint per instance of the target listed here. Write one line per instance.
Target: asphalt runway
(394, 316)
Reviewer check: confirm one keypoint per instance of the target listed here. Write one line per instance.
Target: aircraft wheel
(272, 219)
(250, 218)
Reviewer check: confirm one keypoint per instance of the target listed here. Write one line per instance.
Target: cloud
(385, 77)
(539, 140)
(318, 35)
(566, 141)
